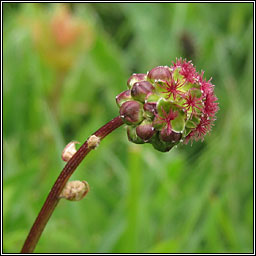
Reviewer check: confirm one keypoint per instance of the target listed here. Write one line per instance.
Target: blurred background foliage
(63, 67)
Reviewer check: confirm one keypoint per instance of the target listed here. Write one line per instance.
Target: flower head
(168, 105)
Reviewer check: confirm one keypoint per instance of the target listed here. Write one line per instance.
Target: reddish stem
(53, 197)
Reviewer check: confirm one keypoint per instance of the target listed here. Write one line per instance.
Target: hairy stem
(53, 197)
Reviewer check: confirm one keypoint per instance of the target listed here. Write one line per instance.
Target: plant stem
(53, 197)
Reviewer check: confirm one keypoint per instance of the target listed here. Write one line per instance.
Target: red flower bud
(160, 73)
(131, 112)
(173, 137)
(141, 89)
(160, 145)
(136, 78)
(145, 131)
(132, 135)
(150, 109)
(123, 97)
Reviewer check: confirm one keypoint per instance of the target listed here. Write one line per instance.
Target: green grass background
(195, 199)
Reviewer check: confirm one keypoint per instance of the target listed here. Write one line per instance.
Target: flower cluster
(168, 105)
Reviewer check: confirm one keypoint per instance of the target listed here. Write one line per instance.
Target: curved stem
(53, 197)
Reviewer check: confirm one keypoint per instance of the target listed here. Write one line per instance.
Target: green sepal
(161, 87)
(186, 132)
(178, 124)
(193, 123)
(190, 124)
(153, 97)
(187, 86)
(176, 75)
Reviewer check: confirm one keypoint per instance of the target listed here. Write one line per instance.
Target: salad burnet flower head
(168, 105)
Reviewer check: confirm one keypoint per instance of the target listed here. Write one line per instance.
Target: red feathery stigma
(201, 130)
(204, 126)
(210, 106)
(206, 86)
(189, 137)
(191, 101)
(167, 119)
(178, 63)
(187, 70)
(172, 88)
